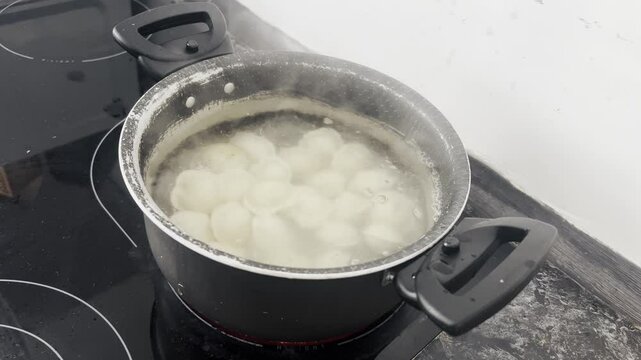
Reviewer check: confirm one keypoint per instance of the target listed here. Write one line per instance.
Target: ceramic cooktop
(77, 280)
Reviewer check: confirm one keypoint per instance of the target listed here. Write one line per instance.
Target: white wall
(546, 92)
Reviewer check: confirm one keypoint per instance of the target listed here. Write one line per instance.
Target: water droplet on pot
(229, 88)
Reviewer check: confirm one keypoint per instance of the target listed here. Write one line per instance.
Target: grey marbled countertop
(553, 318)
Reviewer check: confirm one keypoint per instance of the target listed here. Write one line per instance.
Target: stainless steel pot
(279, 304)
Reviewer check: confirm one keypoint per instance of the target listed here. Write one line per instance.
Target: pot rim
(143, 111)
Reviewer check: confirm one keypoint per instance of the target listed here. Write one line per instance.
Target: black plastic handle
(132, 33)
(476, 270)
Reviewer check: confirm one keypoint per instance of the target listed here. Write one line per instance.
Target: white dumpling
(324, 140)
(352, 157)
(382, 238)
(333, 258)
(362, 253)
(267, 197)
(231, 223)
(328, 182)
(371, 181)
(257, 147)
(351, 207)
(310, 208)
(235, 249)
(234, 184)
(393, 207)
(400, 211)
(222, 157)
(338, 234)
(195, 190)
(303, 161)
(272, 231)
(195, 224)
(273, 241)
(186, 159)
(273, 168)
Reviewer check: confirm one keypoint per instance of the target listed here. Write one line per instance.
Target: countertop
(553, 318)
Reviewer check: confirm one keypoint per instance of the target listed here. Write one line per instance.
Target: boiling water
(289, 189)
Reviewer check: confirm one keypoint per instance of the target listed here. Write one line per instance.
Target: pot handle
(476, 270)
(170, 37)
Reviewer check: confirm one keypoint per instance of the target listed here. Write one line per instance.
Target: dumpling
(257, 147)
(271, 231)
(303, 161)
(351, 207)
(195, 224)
(186, 159)
(267, 197)
(231, 223)
(382, 238)
(371, 181)
(234, 184)
(333, 258)
(239, 250)
(352, 157)
(398, 210)
(392, 207)
(324, 140)
(222, 157)
(195, 190)
(329, 183)
(273, 168)
(362, 253)
(338, 234)
(310, 208)
(273, 242)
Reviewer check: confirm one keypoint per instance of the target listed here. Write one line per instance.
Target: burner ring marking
(61, 61)
(14, 281)
(33, 336)
(93, 185)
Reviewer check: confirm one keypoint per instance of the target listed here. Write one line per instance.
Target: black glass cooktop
(77, 280)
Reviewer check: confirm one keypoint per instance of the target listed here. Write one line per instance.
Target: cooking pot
(460, 272)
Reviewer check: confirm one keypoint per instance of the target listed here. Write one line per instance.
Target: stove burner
(33, 336)
(64, 59)
(247, 339)
(209, 324)
(178, 332)
(93, 185)
(25, 304)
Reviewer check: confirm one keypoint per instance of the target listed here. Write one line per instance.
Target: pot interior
(236, 86)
